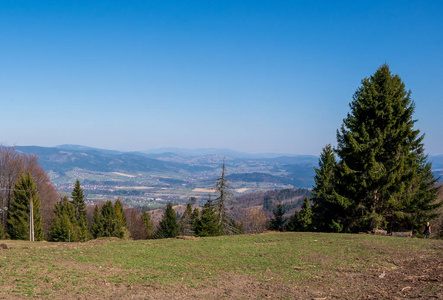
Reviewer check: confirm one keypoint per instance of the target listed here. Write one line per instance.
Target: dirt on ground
(418, 276)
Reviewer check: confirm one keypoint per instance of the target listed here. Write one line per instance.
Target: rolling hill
(137, 177)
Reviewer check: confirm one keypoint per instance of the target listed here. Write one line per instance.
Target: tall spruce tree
(121, 219)
(329, 209)
(278, 222)
(305, 216)
(78, 201)
(17, 223)
(222, 187)
(96, 227)
(194, 217)
(168, 226)
(225, 221)
(120, 215)
(186, 222)
(64, 227)
(111, 225)
(149, 225)
(382, 178)
(208, 223)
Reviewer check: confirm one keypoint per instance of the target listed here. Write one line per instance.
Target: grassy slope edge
(276, 265)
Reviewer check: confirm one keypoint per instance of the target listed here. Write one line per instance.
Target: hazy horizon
(159, 148)
(251, 76)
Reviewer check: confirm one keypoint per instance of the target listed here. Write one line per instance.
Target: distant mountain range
(215, 151)
(64, 158)
(176, 172)
(137, 177)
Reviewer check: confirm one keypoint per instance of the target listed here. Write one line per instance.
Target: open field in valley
(273, 265)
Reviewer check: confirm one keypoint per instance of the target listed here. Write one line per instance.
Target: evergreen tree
(18, 212)
(329, 209)
(168, 226)
(208, 223)
(293, 223)
(149, 225)
(110, 223)
(383, 179)
(186, 225)
(278, 221)
(194, 218)
(120, 215)
(78, 201)
(237, 227)
(222, 187)
(305, 216)
(96, 227)
(220, 204)
(64, 227)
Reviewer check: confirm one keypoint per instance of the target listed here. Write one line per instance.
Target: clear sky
(253, 76)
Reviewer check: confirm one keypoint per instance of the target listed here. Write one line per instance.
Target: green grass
(42, 268)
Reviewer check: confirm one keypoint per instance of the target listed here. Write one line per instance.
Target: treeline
(290, 198)
(112, 220)
(25, 217)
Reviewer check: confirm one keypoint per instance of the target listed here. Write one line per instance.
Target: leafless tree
(135, 223)
(14, 163)
(256, 221)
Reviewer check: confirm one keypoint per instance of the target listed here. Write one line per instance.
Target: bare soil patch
(104, 269)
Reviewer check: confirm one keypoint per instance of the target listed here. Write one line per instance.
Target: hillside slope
(274, 266)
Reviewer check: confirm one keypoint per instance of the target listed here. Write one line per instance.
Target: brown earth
(419, 276)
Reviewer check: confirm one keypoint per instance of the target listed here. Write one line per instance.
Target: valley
(152, 180)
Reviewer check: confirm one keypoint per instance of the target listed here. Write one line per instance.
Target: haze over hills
(138, 176)
(174, 176)
(215, 151)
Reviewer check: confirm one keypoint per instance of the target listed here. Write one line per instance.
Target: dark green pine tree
(168, 226)
(383, 173)
(186, 224)
(97, 224)
(64, 227)
(18, 212)
(305, 216)
(120, 215)
(329, 209)
(194, 217)
(110, 223)
(208, 222)
(78, 200)
(293, 223)
(149, 225)
(278, 221)
(121, 219)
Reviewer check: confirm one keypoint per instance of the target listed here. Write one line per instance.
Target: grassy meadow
(272, 265)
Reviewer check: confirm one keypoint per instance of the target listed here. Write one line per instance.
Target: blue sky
(253, 76)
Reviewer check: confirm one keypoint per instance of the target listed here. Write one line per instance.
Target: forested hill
(289, 198)
(61, 160)
(173, 176)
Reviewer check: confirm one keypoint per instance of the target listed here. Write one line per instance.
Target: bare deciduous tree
(14, 163)
(256, 221)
